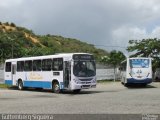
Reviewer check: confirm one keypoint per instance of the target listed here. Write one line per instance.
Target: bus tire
(122, 83)
(20, 85)
(144, 84)
(125, 84)
(56, 87)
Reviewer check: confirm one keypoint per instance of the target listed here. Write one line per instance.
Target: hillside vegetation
(24, 42)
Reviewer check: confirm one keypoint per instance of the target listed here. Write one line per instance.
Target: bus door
(67, 73)
(14, 73)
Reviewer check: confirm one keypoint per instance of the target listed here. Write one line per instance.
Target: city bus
(69, 71)
(136, 71)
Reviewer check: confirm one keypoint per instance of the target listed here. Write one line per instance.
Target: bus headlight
(76, 81)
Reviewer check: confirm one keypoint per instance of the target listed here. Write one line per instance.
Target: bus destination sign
(83, 57)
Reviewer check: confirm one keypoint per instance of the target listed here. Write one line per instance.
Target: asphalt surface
(107, 98)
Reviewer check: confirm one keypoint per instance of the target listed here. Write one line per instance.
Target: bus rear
(139, 70)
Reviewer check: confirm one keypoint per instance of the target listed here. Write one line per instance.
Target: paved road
(106, 98)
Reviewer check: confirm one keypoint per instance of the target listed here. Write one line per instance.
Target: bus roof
(46, 56)
(135, 58)
(140, 58)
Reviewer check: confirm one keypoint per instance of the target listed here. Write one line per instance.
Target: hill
(24, 42)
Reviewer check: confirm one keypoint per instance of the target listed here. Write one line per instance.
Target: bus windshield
(84, 68)
(139, 63)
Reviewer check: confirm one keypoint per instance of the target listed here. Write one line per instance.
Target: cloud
(100, 22)
(122, 35)
(125, 33)
(9, 3)
(156, 32)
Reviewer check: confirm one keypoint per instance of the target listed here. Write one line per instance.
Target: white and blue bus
(136, 71)
(70, 71)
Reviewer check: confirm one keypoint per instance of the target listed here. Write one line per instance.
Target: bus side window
(20, 66)
(46, 64)
(60, 64)
(37, 65)
(8, 67)
(57, 64)
(28, 65)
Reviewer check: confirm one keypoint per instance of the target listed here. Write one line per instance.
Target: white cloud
(126, 33)
(99, 22)
(156, 33)
(10, 3)
(122, 35)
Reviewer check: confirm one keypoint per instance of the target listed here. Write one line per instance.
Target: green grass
(4, 86)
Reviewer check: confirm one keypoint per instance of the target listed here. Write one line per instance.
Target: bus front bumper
(83, 86)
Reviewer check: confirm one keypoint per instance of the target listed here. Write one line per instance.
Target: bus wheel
(20, 85)
(125, 84)
(56, 87)
(144, 85)
(122, 83)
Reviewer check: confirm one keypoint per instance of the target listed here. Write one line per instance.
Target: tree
(146, 48)
(114, 59)
(7, 24)
(13, 25)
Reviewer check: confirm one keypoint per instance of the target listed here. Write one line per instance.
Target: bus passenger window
(20, 66)
(57, 64)
(8, 67)
(37, 65)
(46, 64)
(28, 65)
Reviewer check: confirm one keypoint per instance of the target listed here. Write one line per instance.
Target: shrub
(13, 25)
(7, 24)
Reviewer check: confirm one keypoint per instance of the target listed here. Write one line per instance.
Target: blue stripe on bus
(36, 84)
(40, 84)
(8, 82)
(132, 80)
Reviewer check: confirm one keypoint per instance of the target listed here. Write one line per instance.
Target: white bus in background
(136, 71)
(70, 71)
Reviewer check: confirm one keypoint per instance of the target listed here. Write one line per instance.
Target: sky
(107, 24)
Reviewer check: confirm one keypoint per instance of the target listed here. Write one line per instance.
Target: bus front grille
(85, 86)
(86, 79)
